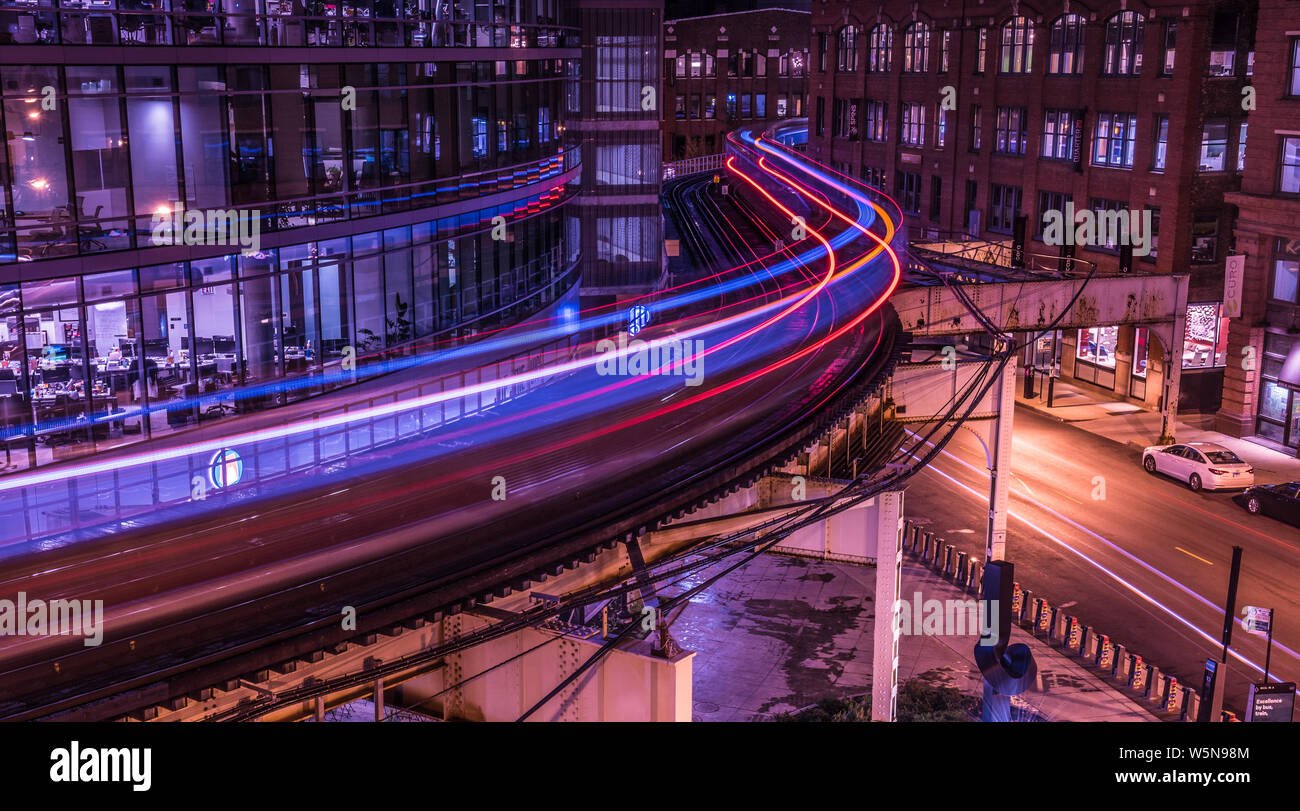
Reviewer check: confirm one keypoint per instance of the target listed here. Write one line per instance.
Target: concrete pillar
(379, 698)
(995, 545)
(1191, 705)
(320, 709)
(1027, 608)
(889, 580)
(1173, 367)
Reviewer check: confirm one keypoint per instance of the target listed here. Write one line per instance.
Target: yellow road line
(1198, 557)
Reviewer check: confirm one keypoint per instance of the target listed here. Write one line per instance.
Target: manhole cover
(706, 706)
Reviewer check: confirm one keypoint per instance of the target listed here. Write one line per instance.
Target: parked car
(1203, 465)
(1280, 501)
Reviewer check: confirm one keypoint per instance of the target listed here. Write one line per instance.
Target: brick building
(724, 70)
(1108, 105)
(1260, 397)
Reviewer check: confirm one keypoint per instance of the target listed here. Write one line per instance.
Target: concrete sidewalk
(783, 632)
(1130, 425)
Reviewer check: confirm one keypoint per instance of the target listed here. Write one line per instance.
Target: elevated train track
(791, 343)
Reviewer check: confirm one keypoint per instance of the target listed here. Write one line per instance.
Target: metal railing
(202, 22)
(690, 166)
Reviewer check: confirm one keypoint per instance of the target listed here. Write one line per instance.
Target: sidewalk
(1130, 425)
(783, 632)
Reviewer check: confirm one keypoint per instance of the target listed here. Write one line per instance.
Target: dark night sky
(698, 8)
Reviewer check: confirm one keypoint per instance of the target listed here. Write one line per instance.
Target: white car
(1203, 465)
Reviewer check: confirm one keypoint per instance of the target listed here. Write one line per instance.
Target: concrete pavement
(783, 632)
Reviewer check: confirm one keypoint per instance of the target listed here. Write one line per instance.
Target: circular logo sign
(225, 469)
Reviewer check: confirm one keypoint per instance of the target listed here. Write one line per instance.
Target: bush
(917, 701)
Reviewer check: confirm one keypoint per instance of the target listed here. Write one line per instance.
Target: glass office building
(374, 150)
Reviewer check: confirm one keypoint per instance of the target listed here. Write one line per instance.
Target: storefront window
(1140, 352)
(1097, 346)
(1206, 341)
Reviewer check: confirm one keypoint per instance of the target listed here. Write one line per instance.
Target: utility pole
(1212, 709)
(995, 546)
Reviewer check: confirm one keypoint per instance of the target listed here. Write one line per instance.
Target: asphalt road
(1138, 557)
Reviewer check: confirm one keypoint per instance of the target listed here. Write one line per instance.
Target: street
(1138, 557)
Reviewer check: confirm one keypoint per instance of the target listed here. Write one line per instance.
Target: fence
(690, 166)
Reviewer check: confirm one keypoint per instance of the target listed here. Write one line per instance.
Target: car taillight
(1217, 472)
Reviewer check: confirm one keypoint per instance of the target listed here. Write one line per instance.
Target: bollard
(1155, 685)
(1139, 673)
(1017, 602)
(1191, 705)
(949, 560)
(1121, 664)
(914, 540)
(1073, 634)
(976, 577)
(926, 547)
(1172, 696)
(943, 559)
(1044, 617)
(1088, 650)
(961, 569)
(1057, 632)
(1105, 655)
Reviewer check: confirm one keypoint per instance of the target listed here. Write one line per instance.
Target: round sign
(225, 469)
(637, 319)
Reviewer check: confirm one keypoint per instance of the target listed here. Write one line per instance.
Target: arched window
(1017, 46)
(880, 48)
(1123, 53)
(916, 48)
(846, 55)
(1066, 45)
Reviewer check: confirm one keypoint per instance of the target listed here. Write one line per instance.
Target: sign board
(1207, 690)
(1234, 275)
(1256, 620)
(1271, 702)
(673, 247)
(1018, 229)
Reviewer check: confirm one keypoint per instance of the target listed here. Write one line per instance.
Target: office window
(1058, 134)
(881, 48)
(1010, 131)
(877, 125)
(1293, 74)
(840, 124)
(909, 192)
(940, 125)
(696, 107)
(1167, 62)
(821, 114)
(760, 105)
(916, 47)
(1065, 52)
(797, 61)
(823, 42)
(731, 110)
(1105, 236)
(1122, 55)
(1113, 140)
(1096, 345)
(1004, 205)
(976, 127)
(679, 67)
(746, 108)
(1050, 201)
(846, 54)
(1159, 151)
(873, 177)
(1286, 274)
(710, 105)
(1205, 341)
(936, 197)
(1017, 46)
(1205, 237)
(945, 47)
(981, 48)
(1241, 147)
(912, 129)
(1214, 144)
(681, 106)
(1289, 171)
(697, 64)
(1223, 43)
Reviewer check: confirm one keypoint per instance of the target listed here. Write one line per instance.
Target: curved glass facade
(398, 206)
